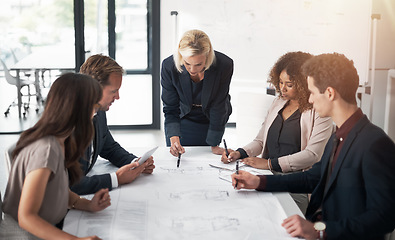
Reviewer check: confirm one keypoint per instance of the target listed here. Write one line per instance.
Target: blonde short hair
(192, 43)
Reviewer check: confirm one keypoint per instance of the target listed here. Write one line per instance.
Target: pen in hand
(226, 149)
(178, 161)
(237, 171)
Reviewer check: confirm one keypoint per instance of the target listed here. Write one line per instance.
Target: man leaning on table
(109, 74)
(353, 192)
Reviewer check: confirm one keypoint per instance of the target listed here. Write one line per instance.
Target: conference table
(48, 59)
(194, 201)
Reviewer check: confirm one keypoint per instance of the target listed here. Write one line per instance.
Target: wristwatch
(320, 228)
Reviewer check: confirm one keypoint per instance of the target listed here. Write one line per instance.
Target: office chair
(27, 73)
(24, 83)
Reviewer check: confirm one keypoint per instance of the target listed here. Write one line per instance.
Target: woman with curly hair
(293, 136)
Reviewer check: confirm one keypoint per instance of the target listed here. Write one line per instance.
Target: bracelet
(269, 164)
(75, 202)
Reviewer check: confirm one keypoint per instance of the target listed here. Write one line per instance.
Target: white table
(47, 59)
(189, 202)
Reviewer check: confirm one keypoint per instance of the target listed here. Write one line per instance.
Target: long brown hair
(68, 113)
(292, 63)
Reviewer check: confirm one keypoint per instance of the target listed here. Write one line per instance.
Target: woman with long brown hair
(45, 160)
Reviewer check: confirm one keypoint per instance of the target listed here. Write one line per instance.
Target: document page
(189, 202)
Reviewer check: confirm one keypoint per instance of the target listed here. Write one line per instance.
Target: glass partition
(96, 27)
(134, 104)
(131, 34)
(44, 29)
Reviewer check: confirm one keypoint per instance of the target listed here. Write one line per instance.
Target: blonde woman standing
(195, 94)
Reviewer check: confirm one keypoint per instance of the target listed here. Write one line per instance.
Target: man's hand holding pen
(237, 172)
(245, 180)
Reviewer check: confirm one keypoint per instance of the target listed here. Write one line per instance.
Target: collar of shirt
(342, 132)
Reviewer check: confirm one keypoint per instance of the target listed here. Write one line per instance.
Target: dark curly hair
(336, 71)
(291, 63)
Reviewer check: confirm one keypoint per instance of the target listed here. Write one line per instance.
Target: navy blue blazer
(360, 200)
(177, 96)
(105, 146)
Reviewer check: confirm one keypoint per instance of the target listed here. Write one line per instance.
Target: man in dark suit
(353, 190)
(109, 74)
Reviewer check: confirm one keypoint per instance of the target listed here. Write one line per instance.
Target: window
(124, 30)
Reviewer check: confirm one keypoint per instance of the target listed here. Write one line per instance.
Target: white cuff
(114, 180)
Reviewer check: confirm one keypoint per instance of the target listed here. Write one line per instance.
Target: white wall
(385, 60)
(166, 36)
(385, 33)
(255, 33)
(166, 27)
(389, 126)
(385, 55)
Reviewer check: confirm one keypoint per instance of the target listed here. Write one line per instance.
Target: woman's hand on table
(233, 156)
(100, 200)
(256, 162)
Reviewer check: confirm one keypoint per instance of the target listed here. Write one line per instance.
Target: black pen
(237, 171)
(226, 149)
(179, 158)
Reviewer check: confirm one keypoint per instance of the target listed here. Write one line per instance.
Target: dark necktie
(317, 216)
(334, 147)
(92, 145)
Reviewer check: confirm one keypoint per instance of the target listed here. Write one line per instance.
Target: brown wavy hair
(68, 113)
(334, 70)
(292, 63)
(100, 67)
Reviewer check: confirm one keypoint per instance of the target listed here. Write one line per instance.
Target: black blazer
(177, 96)
(360, 200)
(105, 146)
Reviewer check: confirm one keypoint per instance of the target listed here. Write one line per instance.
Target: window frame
(153, 58)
